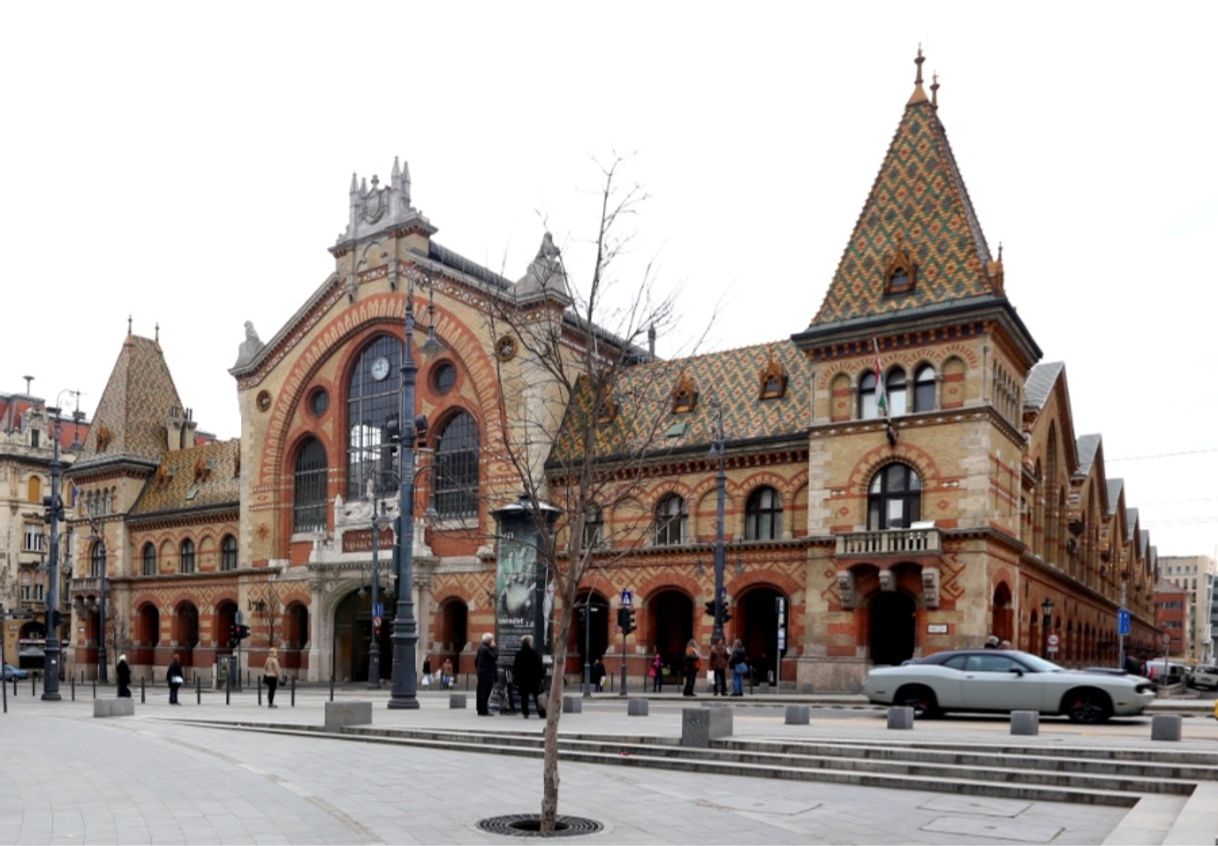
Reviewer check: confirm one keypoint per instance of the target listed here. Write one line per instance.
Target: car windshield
(1038, 664)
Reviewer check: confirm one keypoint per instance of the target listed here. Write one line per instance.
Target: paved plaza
(160, 777)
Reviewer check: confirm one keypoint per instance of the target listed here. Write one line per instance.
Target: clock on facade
(380, 368)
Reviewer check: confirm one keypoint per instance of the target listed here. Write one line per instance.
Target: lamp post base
(403, 704)
(51, 697)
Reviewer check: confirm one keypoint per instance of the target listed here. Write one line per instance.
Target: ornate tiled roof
(644, 401)
(197, 477)
(130, 418)
(918, 209)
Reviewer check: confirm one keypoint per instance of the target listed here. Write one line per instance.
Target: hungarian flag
(881, 394)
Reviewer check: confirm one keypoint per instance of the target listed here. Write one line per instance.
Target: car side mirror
(1017, 671)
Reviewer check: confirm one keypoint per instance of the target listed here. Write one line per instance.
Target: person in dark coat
(122, 675)
(718, 665)
(693, 666)
(527, 672)
(739, 661)
(486, 664)
(597, 675)
(175, 679)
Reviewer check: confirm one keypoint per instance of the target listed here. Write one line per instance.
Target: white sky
(189, 164)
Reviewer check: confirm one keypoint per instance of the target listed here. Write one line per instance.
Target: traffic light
(625, 620)
(710, 610)
(236, 634)
(49, 505)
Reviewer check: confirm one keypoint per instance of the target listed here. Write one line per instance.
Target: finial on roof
(934, 89)
(919, 95)
(1000, 251)
(128, 324)
(157, 329)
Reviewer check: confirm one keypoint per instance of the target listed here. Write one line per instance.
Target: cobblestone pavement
(71, 778)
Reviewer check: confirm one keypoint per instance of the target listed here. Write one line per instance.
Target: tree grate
(529, 825)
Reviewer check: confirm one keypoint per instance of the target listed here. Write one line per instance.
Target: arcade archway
(755, 622)
(890, 622)
(453, 634)
(670, 619)
(353, 636)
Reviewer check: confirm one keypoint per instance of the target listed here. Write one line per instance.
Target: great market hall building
(903, 472)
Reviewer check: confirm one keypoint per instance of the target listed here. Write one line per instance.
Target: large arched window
(894, 500)
(97, 559)
(671, 519)
(924, 388)
(895, 391)
(456, 474)
(309, 498)
(867, 407)
(373, 399)
(228, 553)
(149, 560)
(763, 515)
(187, 561)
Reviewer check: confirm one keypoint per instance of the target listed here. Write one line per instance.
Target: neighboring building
(1195, 574)
(1171, 616)
(26, 449)
(903, 473)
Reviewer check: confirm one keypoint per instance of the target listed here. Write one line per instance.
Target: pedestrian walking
(693, 666)
(446, 673)
(486, 666)
(427, 671)
(739, 661)
(657, 673)
(122, 675)
(174, 678)
(598, 675)
(270, 676)
(718, 663)
(527, 672)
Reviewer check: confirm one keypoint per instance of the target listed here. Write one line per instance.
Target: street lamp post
(374, 649)
(587, 614)
(54, 509)
(103, 674)
(1046, 617)
(719, 449)
(405, 628)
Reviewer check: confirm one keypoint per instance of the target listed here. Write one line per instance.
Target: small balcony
(889, 542)
(86, 584)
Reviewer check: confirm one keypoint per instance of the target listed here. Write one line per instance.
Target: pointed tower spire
(406, 181)
(934, 89)
(919, 95)
(354, 183)
(128, 324)
(157, 330)
(395, 178)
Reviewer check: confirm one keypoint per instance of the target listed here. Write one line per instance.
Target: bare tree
(574, 431)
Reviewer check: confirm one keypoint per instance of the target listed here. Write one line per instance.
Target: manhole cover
(529, 825)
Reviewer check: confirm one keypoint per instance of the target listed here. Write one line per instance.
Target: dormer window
(684, 396)
(773, 380)
(901, 274)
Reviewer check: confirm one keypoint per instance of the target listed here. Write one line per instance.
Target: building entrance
(353, 636)
(891, 623)
(755, 622)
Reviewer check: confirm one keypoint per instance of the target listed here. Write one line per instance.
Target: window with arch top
(894, 500)
(374, 398)
(97, 559)
(763, 515)
(187, 563)
(309, 495)
(228, 553)
(149, 560)
(455, 486)
(671, 520)
(924, 388)
(894, 391)
(868, 404)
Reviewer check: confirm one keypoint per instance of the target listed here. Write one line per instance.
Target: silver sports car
(1006, 680)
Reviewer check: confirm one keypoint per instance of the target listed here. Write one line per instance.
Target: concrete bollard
(124, 707)
(699, 726)
(572, 704)
(293, 691)
(143, 692)
(1165, 727)
(637, 707)
(457, 701)
(900, 717)
(798, 715)
(1025, 722)
(340, 714)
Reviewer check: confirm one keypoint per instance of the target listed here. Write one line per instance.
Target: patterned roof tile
(196, 477)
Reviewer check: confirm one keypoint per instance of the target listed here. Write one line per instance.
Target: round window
(443, 377)
(319, 402)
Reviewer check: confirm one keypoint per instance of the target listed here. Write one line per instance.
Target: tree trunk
(549, 793)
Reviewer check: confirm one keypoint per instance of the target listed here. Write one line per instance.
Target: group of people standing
(528, 673)
(720, 661)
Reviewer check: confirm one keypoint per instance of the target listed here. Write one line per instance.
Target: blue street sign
(627, 599)
(378, 610)
(1123, 622)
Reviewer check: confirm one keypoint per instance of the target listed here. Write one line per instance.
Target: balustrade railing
(890, 542)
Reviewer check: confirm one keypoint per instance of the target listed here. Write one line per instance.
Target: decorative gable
(773, 379)
(684, 396)
(901, 274)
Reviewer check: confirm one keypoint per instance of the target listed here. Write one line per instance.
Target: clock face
(380, 368)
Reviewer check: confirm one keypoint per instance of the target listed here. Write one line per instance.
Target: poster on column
(515, 589)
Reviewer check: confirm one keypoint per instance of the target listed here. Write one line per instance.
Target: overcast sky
(189, 165)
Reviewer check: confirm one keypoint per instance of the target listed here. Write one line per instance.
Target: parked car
(1006, 680)
(1176, 673)
(1204, 677)
(11, 672)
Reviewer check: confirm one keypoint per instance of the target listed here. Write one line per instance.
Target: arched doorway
(186, 632)
(295, 635)
(890, 618)
(353, 636)
(226, 616)
(454, 633)
(589, 641)
(1001, 626)
(670, 620)
(755, 622)
(147, 634)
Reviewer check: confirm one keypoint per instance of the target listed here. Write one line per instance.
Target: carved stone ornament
(375, 203)
(505, 348)
(930, 587)
(685, 395)
(773, 379)
(104, 436)
(264, 400)
(888, 581)
(845, 587)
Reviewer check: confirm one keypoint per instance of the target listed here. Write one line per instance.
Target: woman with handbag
(175, 679)
(270, 675)
(693, 665)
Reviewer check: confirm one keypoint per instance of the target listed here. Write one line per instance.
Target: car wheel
(1087, 706)
(919, 697)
